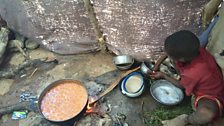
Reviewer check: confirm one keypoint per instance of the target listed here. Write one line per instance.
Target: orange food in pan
(64, 101)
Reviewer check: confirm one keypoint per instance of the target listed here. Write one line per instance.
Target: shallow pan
(68, 122)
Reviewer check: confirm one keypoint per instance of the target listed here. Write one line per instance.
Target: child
(200, 76)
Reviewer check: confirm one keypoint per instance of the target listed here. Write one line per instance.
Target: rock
(5, 118)
(58, 72)
(17, 59)
(32, 119)
(95, 120)
(61, 26)
(30, 44)
(108, 77)
(3, 42)
(5, 85)
(125, 124)
(7, 121)
(41, 54)
(139, 27)
(20, 38)
(2, 22)
(13, 43)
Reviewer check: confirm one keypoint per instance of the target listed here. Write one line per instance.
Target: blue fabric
(203, 38)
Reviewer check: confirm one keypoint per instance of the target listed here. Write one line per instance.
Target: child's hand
(157, 75)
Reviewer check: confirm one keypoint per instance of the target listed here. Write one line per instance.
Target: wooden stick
(113, 85)
(22, 51)
(33, 72)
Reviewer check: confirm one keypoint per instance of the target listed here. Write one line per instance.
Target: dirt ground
(96, 71)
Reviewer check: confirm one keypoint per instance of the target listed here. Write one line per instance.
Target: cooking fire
(91, 108)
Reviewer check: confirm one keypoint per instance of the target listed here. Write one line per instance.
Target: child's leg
(205, 113)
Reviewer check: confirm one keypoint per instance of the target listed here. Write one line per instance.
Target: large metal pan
(166, 93)
(70, 121)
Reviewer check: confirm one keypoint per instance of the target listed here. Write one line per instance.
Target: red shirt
(202, 76)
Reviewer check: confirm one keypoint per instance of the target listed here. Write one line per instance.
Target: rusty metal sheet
(139, 27)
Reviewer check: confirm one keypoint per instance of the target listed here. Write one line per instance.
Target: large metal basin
(166, 93)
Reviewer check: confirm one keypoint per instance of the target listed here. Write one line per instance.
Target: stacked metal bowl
(123, 62)
(146, 67)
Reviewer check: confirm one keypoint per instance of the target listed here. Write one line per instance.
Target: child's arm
(159, 61)
(173, 81)
(161, 75)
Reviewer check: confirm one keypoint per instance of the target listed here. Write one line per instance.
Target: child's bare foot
(219, 122)
(178, 121)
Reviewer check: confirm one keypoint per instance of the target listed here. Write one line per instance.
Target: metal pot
(146, 67)
(68, 122)
(123, 62)
(166, 93)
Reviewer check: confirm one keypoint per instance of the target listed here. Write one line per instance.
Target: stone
(20, 37)
(5, 118)
(2, 22)
(17, 59)
(125, 124)
(61, 26)
(4, 32)
(32, 119)
(41, 53)
(13, 43)
(5, 85)
(95, 120)
(30, 44)
(139, 27)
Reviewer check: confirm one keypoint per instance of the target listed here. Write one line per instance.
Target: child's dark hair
(182, 44)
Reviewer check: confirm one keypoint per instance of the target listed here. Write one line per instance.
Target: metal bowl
(132, 95)
(166, 93)
(133, 86)
(128, 94)
(123, 62)
(146, 67)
